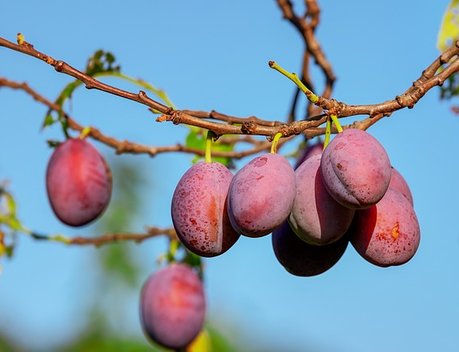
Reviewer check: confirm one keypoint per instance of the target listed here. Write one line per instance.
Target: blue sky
(213, 55)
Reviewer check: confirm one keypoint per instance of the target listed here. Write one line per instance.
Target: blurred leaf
(449, 29)
(53, 143)
(450, 88)
(118, 260)
(196, 139)
(101, 62)
(48, 121)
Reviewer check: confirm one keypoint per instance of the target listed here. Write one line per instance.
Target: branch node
(176, 117)
(59, 66)
(248, 127)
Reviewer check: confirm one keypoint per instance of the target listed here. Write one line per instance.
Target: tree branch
(430, 78)
(108, 238)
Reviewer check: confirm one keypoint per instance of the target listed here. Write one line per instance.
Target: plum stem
(208, 153)
(327, 132)
(337, 123)
(85, 132)
(275, 142)
(294, 78)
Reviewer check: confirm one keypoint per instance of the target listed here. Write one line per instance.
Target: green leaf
(196, 139)
(101, 62)
(48, 120)
(449, 29)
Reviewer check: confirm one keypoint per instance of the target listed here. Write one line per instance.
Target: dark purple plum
(309, 151)
(302, 259)
(398, 183)
(78, 182)
(387, 233)
(173, 306)
(199, 210)
(356, 169)
(316, 217)
(261, 195)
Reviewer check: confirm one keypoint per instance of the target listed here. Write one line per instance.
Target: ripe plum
(309, 151)
(302, 259)
(387, 233)
(261, 195)
(199, 210)
(356, 169)
(172, 306)
(316, 217)
(398, 183)
(78, 182)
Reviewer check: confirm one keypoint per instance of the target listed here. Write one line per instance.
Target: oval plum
(398, 183)
(387, 233)
(316, 217)
(261, 195)
(172, 306)
(199, 210)
(356, 169)
(309, 151)
(302, 259)
(78, 182)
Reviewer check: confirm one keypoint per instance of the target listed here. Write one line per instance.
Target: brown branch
(244, 125)
(123, 237)
(128, 147)
(430, 78)
(306, 26)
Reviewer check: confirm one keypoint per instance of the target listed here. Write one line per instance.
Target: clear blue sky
(213, 55)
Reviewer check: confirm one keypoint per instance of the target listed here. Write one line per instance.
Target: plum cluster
(348, 192)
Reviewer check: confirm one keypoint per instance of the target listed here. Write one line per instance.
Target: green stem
(293, 77)
(337, 123)
(85, 132)
(208, 154)
(327, 132)
(275, 142)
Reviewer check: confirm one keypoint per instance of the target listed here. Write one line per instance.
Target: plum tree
(348, 192)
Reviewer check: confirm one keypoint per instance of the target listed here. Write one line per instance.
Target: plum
(78, 182)
(199, 210)
(356, 169)
(398, 183)
(302, 259)
(387, 233)
(261, 195)
(309, 151)
(316, 217)
(172, 306)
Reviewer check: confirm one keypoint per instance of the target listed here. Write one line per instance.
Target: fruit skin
(302, 259)
(356, 169)
(261, 195)
(309, 151)
(387, 233)
(398, 183)
(199, 210)
(316, 217)
(172, 306)
(78, 182)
